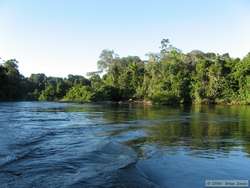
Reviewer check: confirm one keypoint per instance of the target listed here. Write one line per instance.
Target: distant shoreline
(141, 102)
(151, 103)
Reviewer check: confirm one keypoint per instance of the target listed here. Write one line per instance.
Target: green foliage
(242, 74)
(12, 83)
(168, 80)
(79, 93)
(167, 77)
(107, 58)
(48, 94)
(77, 79)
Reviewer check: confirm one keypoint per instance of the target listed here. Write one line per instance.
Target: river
(47, 144)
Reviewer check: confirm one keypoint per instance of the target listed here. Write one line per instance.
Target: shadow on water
(199, 127)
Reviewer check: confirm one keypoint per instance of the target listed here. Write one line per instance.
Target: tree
(167, 77)
(242, 74)
(106, 59)
(79, 93)
(48, 94)
(12, 80)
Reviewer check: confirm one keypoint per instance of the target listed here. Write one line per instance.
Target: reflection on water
(71, 145)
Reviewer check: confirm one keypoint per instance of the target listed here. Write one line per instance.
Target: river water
(95, 145)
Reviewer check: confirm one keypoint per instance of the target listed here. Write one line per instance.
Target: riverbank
(151, 103)
(145, 102)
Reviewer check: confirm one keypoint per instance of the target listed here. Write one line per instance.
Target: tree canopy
(167, 77)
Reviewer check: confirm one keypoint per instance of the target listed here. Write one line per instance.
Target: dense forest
(167, 77)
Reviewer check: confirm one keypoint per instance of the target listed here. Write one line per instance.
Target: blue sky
(61, 37)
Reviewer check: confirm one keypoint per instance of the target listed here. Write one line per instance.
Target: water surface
(90, 145)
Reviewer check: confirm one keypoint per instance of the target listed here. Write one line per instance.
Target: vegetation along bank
(167, 77)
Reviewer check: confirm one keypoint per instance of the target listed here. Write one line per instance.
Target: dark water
(70, 145)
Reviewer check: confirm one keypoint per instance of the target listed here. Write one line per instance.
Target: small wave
(52, 119)
(12, 158)
(110, 165)
(23, 148)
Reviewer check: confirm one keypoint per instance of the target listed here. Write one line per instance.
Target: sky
(61, 37)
